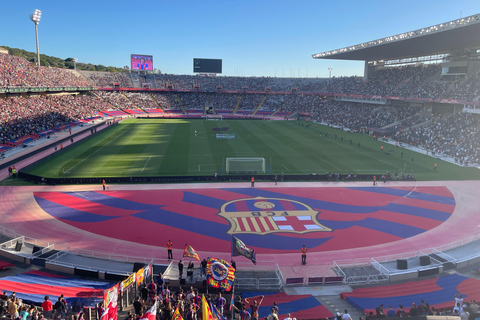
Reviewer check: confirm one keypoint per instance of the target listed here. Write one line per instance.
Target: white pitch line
(285, 167)
(146, 163)
(326, 162)
(81, 195)
(68, 171)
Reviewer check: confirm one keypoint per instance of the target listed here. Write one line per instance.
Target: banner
(127, 283)
(220, 274)
(240, 249)
(140, 276)
(190, 252)
(110, 303)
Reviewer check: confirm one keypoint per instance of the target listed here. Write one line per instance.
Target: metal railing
(338, 265)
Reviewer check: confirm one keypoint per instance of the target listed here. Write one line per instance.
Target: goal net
(245, 165)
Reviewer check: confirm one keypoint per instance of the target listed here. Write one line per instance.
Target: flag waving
(220, 274)
(215, 313)
(177, 315)
(190, 252)
(240, 249)
(110, 303)
(151, 314)
(206, 313)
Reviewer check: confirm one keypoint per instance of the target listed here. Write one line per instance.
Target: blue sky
(254, 38)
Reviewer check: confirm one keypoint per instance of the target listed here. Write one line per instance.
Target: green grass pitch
(169, 147)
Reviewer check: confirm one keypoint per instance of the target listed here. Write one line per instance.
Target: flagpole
(231, 247)
(232, 301)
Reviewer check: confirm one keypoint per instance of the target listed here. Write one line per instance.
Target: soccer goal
(245, 165)
(213, 117)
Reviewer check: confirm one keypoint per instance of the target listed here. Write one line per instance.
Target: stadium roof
(446, 37)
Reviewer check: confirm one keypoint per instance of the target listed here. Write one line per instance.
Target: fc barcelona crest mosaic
(262, 216)
(270, 220)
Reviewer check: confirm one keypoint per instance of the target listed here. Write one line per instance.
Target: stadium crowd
(454, 135)
(16, 71)
(460, 307)
(21, 116)
(416, 81)
(356, 116)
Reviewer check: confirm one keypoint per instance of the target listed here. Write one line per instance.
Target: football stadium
(146, 195)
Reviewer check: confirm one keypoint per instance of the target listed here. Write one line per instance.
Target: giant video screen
(207, 65)
(141, 62)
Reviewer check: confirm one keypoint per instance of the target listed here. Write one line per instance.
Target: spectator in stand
(401, 313)
(47, 307)
(413, 310)
(346, 315)
(390, 312)
(379, 311)
(138, 306)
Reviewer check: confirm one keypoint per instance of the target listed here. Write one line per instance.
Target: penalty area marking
(285, 167)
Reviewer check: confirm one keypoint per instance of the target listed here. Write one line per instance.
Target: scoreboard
(207, 65)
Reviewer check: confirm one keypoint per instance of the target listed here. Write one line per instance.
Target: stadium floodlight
(35, 17)
(75, 63)
(329, 72)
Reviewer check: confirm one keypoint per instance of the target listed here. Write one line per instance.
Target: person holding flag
(220, 303)
(238, 307)
(255, 306)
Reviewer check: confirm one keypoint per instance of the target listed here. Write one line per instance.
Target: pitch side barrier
(48, 145)
(185, 179)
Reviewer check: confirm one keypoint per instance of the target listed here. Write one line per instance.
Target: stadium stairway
(158, 105)
(278, 109)
(259, 106)
(239, 99)
(336, 304)
(180, 103)
(329, 297)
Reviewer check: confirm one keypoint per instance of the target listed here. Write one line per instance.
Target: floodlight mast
(35, 17)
